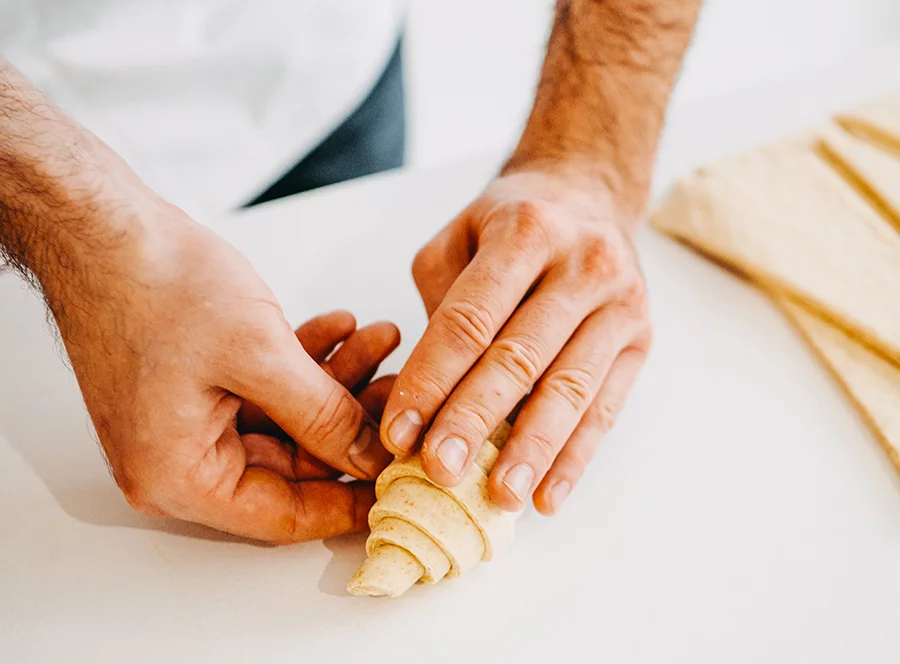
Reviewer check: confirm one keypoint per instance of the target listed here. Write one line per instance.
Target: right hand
(172, 336)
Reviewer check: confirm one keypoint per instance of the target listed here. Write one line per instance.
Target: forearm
(65, 198)
(601, 100)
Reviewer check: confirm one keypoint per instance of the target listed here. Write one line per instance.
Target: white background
(472, 64)
(740, 512)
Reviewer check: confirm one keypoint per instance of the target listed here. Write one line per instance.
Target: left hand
(349, 355)
(534, 288)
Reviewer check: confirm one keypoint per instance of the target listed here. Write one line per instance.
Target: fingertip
(551, 495)
(342, 319)
(542, 503)
(391, 331)
(400, 432)
(385, 336)
(366, 452)
(386, 441)
(502, 496)
(437, 470)
(335, 322)
(342, 324)
(321, 334)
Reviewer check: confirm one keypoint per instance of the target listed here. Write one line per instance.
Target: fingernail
(361, 451)
(518, 479)
(452, 453)
(558, 494)
(405, 429)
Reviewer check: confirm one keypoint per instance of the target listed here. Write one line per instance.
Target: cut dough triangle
(782, 216)
(877, 121)
(873, 170)
(872, 383)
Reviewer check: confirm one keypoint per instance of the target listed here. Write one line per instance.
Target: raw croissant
(423, 532)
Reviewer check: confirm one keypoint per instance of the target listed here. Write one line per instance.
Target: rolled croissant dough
(815, 220)
(423, 533)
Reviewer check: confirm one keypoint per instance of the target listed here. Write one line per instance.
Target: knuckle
(338, 417)
(637, 298)
(429, 382)
(478, 417)
(520, 358)
(645, 341)
(424, 263)
(605, 414)
(259, 348)
(542, 448)
(600, 259)
(469, 324)
(530, 226)
(640, 347)
(573, 385)
(262, 334)
(577, 462)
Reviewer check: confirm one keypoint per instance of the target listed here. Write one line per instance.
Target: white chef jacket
(208, 100)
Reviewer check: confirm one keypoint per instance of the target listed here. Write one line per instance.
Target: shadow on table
(348, 553)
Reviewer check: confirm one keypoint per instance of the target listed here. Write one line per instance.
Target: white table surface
(739, 512)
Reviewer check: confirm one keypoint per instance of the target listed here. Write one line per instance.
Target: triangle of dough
(872, 170)
(782, 216)
(877, 121)
(872, 383)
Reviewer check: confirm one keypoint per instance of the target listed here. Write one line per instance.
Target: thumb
(316, 411)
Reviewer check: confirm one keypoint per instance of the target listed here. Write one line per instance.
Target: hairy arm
(171, 334)
(535, 288)
(604, 87)
(68, 204)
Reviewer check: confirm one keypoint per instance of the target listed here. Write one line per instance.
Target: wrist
(69, 206)
(128, 250)
(79, 220)
(602, 94)
(589, 182)
(67, 232)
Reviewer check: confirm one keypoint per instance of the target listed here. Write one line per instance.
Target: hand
(172, 335)
(535, 288)
(353, 364)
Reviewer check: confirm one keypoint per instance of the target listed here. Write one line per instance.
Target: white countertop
(739, 512)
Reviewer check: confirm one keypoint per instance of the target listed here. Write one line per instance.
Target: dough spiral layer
(424, 532)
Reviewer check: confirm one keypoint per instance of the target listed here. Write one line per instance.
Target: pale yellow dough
(423, 533)
(783, 216)
(874, 171)
(877, 121)
(815, 220)
(872, 382)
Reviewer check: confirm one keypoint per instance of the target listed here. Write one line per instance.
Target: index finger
(462, 327)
